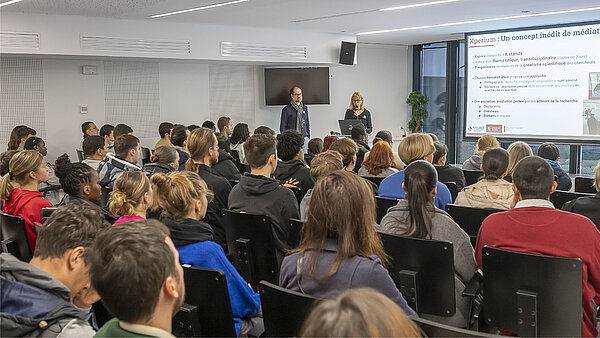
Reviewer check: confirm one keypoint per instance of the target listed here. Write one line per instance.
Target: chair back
(532, 295)
(559, 197)
(423, 271)
(207, 290)
(585, 184)
(453, 189)
(186, 322)
(469, 219)
(236, 155)
(295, 235)
(80, 155)
(251, 243)
(145, 155)
(14, 237)
(298, 193)
(284, 311)
(233, 183)
(105, 196)
(433, 329)
(242, 168)
(376, 180)
(472, 176)
(54, 187)
(383, 204)
(47, 212)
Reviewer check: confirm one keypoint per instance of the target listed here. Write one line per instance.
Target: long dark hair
(240, 133)
(420, 178)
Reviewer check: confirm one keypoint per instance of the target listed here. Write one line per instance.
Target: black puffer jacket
(225, 167)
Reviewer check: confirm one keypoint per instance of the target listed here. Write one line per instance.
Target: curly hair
(289, 143)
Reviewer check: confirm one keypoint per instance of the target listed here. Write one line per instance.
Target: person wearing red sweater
(19, 190)
(534, 226)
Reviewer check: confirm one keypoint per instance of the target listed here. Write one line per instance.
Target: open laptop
(346, 126)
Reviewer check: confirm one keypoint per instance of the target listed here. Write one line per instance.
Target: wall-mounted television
(314, 83)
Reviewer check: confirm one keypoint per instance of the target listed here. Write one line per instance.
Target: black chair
(251, 243)
(49, 188)
(47, 212)
(236, 155)
(559, 197)
(383, 204)
(585, 184)
(532, 295)
(105, 196)
(472, 176)
(207, 290)
(242, 168)
(80, 155)
(145, 155)
(469, 219)
(423, 271)
(284, 311)
(453, 189)
(298, 193)
(233, 183)
(376, 180)
(186, 322)
(295, 235)
(14, 237)
(433, 329)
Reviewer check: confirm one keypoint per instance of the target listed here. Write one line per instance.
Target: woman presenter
(357, 111)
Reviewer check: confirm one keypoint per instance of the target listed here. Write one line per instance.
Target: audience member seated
(446, 172)
(108, 132)
(549, 151)
(37, 144)
(380, 161)
(122, 129)
(417, 217)
(225, 129)
(192, 127)
(360, 312)
(359, 136)
(225, 166)
(164, 130)
(588, 206)
(164, 160)
(127, 154)
(386, 135)
(136, 270)
(491, 191)
(88, 129)
(18, 136)
(414, 147)
(258, 193)
(241, 133)
(184, 196)
(131, 197)
(210, 125)
(203, 148)
(19, 190)
(516, 151)
(94, 149)
(534, 226)
(348, 149)
(323, 164)
(484, 143)
(5, 158)
(264, 130)
(340, 248)
(179, 140)
(291, 166)
(54, 288)
(315, 145)
(328, 141)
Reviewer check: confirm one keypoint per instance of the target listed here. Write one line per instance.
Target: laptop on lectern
(346, 126)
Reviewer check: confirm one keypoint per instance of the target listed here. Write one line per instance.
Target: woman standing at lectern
(357, 111)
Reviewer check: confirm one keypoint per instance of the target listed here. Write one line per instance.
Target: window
(590, 157)
(433, 85)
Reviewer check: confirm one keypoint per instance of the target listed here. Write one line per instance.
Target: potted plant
(417, 101)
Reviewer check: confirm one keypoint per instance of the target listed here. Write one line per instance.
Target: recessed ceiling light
(480, 20)
(9, 2)
(199, 8)
(417, 5)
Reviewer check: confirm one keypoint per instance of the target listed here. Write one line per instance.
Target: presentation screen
(534, 83)
(314, 83)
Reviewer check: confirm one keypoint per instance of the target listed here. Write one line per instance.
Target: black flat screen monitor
(314, 83)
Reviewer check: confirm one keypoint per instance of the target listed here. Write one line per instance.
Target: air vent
(239, 49)
(19, 40)
(108, 43)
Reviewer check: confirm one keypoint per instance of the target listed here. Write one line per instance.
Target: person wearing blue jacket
(184, 196)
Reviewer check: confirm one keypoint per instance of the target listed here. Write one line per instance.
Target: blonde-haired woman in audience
(360, 312)
(417, 217)
(380, 161)
(484, 143)
(516, 151)
(340, 248)
(184, 196)
(131, 197)
(164, 160)
(19, 190)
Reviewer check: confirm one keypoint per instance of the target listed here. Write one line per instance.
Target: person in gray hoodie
(51, 295)
(258, 193)
(484, 143)
(416, 216)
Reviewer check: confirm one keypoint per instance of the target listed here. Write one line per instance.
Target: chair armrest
(474, 286)
(50, 188)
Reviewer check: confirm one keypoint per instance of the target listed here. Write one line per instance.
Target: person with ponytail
(19, 190)
(184, 198)
(131, 197)
(164, 160)
(417, 217)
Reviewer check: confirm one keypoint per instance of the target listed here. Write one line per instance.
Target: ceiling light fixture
(417, 5)
(199, 8)
(480, 20)
(9, 2)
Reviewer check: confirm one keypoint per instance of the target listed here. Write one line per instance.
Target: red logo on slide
(493, 128)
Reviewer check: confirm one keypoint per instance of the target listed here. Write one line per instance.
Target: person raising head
(516, 151)
(360, 312)
(164, 130)
(19, 190)
(417, 146)
(416, 216)
(89, 129)
(241, 133)
(131, 197)
(324, 164)
(484, 143)
(380, 162)
(164, 160)
(340, 248)
(357, 111)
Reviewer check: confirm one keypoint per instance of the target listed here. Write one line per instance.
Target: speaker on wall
(347, 51)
